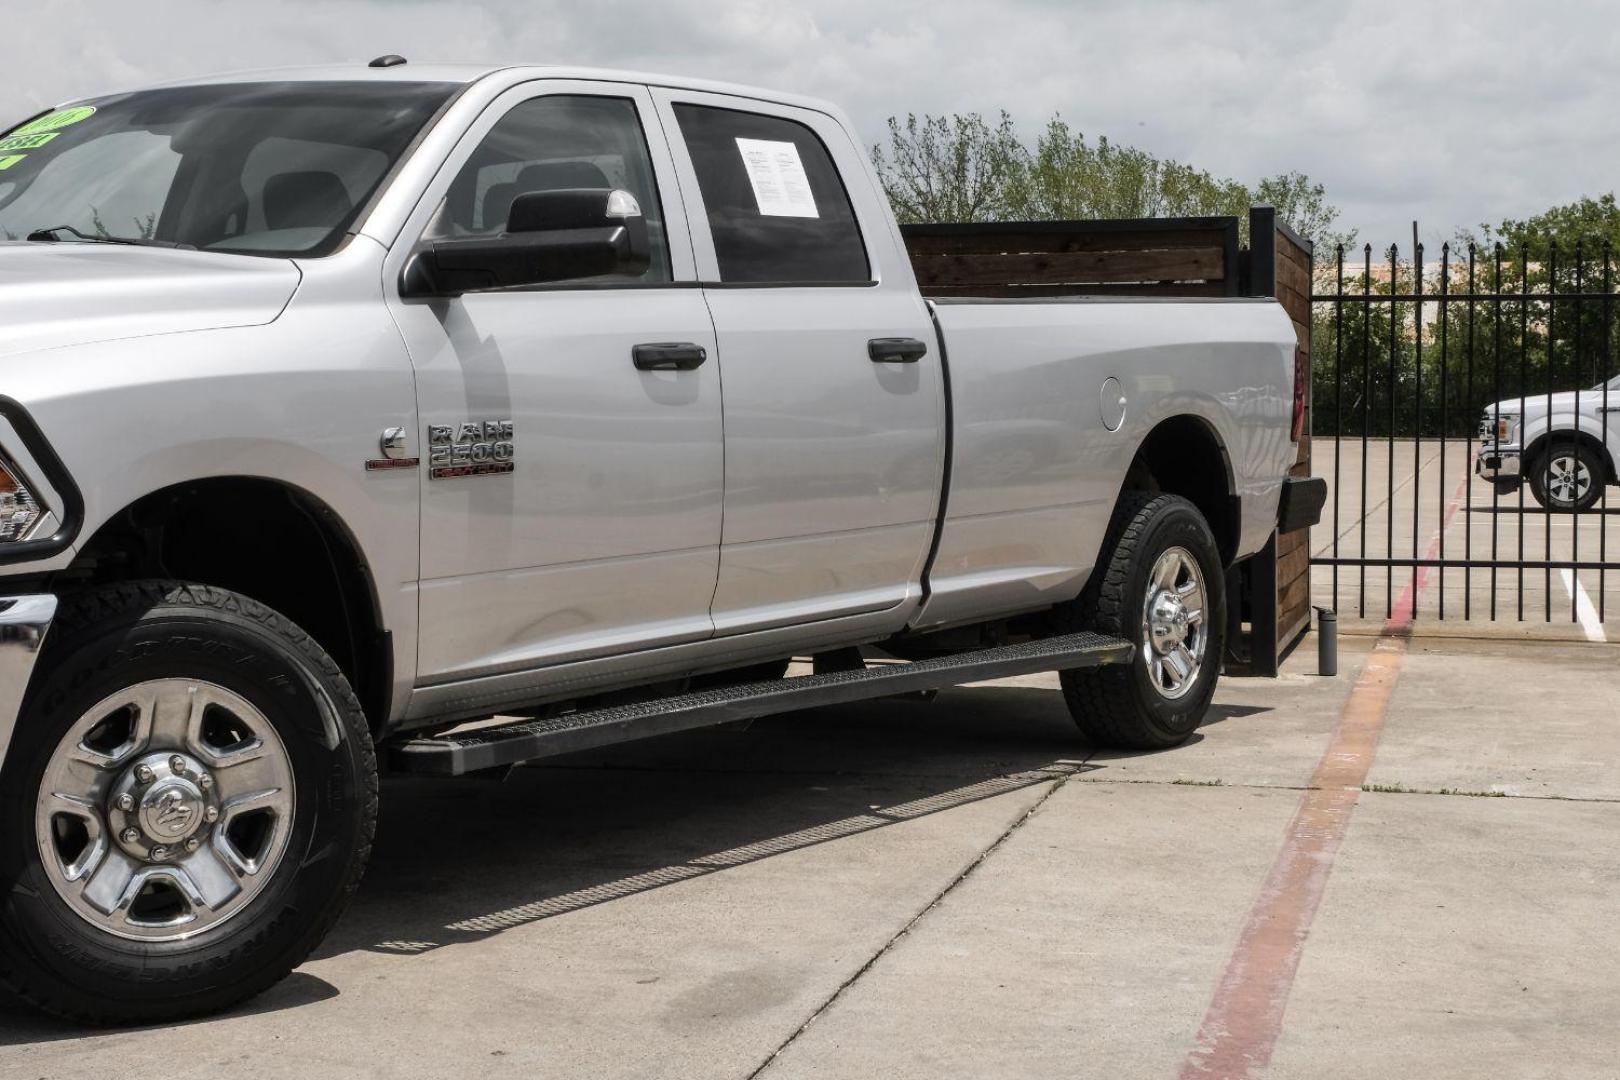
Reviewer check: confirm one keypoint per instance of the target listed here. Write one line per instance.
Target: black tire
(1120, 706)
(1551, 467)
(104, 642)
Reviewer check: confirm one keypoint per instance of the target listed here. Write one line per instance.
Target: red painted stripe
(1245, 1017)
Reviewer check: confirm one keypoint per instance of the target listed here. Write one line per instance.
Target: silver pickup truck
(340, 408)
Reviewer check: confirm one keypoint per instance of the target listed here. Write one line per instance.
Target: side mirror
(550, 236)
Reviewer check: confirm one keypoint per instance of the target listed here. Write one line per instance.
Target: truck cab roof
(501, 75)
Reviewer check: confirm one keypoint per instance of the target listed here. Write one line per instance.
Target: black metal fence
(1414, 363)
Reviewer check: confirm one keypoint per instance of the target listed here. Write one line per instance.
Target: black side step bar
(494, 747)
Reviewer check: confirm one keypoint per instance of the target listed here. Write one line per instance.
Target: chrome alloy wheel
(1568, 478)
(165, 810)
(1173, 633)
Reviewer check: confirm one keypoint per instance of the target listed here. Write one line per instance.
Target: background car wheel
(1568, 477)
(187, 806)
(1161, 586)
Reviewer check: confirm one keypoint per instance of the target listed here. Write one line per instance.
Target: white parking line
(1584, 611)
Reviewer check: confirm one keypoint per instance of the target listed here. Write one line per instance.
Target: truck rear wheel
(187, 806)
(1159, 585)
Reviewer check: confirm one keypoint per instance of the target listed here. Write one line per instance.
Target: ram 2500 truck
(342, 407)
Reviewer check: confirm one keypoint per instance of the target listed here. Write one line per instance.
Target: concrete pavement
(963, 888)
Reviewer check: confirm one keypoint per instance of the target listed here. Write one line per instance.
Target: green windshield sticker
(8, 162)
(57, 120)
(26, 142)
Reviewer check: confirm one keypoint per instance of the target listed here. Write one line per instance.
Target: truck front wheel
(1159, 585)
(187, 806)
(1568, 477)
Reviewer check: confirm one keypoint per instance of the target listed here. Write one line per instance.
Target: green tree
(955, 168)
(1591, 222)
(1556, 323)
(1397, 366)
(1069, 178)
(1531, 310)
(1364, 360)
(1302, 203)
(960, 168)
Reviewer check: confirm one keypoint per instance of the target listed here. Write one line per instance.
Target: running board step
(511, 744)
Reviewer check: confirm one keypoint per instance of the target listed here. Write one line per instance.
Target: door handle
(896, 350)
(669, 356)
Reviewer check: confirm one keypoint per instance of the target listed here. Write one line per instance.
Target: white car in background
(1564, 444)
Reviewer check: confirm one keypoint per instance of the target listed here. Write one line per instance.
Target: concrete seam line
(1244, 1019)
(938, 898)
(1441, 793)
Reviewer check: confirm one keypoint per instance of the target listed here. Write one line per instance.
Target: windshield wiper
(48, 236)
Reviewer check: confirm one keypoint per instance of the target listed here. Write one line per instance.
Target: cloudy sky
(1452, 112)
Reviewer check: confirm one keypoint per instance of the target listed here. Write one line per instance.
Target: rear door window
(776, 206)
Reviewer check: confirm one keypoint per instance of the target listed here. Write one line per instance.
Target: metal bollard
(1327, 641)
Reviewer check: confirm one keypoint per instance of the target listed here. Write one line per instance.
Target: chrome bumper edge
(1498, 465)
(24, 622)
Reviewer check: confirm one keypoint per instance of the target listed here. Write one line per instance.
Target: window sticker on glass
(34, 135)
(61, 118)
(27, 142)
(780, 186)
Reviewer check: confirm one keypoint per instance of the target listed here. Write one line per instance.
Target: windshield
(255, 168)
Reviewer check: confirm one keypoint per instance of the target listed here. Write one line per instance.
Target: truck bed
(1035, 465)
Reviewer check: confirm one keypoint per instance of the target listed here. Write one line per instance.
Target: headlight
(1498, 429)
(19, 510)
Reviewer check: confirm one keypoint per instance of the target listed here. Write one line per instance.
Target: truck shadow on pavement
(457, 861)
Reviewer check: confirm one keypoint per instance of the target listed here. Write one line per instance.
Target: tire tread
(1100, 699)
(94, 611)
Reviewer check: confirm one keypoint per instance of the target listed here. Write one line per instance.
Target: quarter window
(550, 144)
(777, 209)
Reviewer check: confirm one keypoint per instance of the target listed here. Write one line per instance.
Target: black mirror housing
(550, 236)
(571, 208)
